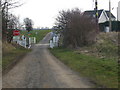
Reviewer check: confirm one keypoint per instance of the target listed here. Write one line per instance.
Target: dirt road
(40, 69)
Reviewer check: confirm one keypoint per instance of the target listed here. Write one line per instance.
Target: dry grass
(106, 46)
(11, 53)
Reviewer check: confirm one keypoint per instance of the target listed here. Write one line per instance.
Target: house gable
(103, 17)
(112, 16)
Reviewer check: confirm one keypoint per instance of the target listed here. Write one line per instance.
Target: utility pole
(0, 19)
(96, 11)
(1, 14)
(0, 45)
(117, 13)
(110, 23)
(96, 15)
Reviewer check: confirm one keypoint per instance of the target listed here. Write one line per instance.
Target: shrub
(77, 30)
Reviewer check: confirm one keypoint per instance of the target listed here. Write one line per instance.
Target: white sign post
(16, 38)
(51, 44)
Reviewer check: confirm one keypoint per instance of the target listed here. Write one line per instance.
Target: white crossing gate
(32, 40)
(23, 41)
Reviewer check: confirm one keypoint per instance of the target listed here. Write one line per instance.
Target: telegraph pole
(117, 13)
(0, 18)
(0, 45)
(96, 15)
(110, 23)
(96, 11)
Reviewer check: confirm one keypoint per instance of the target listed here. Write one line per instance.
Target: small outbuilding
(103, 19)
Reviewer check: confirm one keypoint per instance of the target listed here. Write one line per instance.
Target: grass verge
(14, 55)
(104, 72)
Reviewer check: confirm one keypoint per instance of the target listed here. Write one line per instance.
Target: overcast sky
(44, 12)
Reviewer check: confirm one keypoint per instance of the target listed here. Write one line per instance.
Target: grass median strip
(104, 72)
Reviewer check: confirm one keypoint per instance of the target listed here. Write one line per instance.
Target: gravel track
(40, 69)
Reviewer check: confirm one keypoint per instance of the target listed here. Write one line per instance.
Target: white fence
(23, 41)
(54, 41)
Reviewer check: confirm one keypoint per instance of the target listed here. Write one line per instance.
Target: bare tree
(13, 23)
(10, 4)
(28, 24)
(77, 30)
(5, 6)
